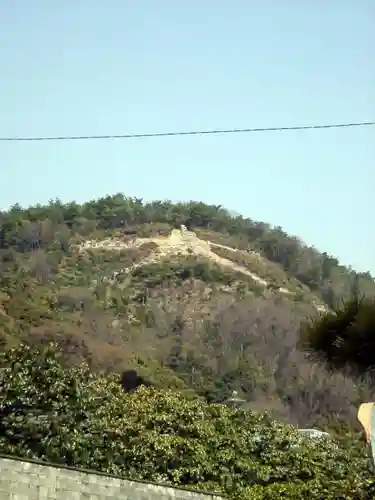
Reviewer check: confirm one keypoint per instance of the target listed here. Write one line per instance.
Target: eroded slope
(183, 243)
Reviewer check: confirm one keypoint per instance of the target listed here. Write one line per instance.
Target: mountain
(186, 295)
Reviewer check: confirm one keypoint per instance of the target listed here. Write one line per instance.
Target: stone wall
(21, 480)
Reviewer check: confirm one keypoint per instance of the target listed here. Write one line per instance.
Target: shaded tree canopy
(130, 381)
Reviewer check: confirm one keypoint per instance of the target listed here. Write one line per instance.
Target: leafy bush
(86, 420)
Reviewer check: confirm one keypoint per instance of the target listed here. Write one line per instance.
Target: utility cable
(193, 132)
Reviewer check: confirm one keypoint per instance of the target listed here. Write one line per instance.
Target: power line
(192, 132)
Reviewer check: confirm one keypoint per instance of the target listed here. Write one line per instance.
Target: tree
(344, 336)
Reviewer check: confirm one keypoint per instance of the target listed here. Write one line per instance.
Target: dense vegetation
(78, 418)
(186, 324)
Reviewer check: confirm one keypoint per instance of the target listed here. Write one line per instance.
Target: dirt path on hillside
(182, 242)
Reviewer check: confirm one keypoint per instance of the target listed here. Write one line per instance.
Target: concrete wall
(20, 480)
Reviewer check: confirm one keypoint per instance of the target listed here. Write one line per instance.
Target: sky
(89, 67)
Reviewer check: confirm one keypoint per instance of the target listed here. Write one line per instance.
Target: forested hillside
(39, 227)
(186, 319)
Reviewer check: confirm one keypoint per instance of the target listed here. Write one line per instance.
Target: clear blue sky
(111, 67)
